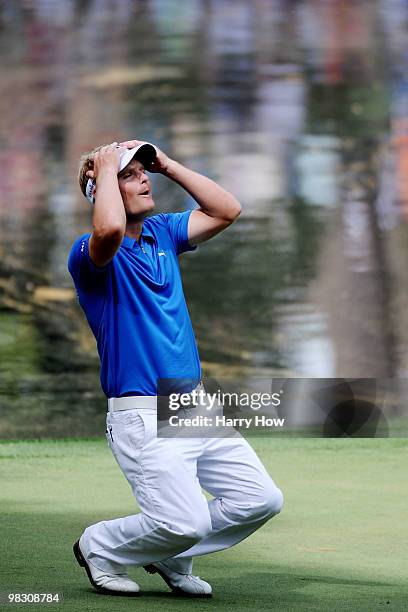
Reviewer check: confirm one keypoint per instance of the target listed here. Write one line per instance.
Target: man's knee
(272, 502)
(264, 506)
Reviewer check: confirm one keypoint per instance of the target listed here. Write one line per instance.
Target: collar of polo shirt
(129, 242)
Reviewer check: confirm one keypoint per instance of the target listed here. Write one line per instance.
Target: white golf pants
(176, 521)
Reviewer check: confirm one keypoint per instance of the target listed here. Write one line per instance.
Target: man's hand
(106, 160)
(161, 162)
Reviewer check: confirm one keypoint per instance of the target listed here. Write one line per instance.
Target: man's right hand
(106, 160)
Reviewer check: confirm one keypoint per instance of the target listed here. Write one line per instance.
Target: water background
(300, 108)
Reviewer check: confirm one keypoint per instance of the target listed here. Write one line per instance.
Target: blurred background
(299, 107)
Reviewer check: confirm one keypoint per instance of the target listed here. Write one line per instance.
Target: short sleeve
(177, 224)
(85, 273)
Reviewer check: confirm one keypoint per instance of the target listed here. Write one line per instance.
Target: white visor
(146, 155)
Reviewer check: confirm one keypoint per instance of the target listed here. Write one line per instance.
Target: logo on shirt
(161, 253)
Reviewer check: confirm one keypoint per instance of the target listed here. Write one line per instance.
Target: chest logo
(161, 253)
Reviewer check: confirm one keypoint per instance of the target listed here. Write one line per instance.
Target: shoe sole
(81, 561)
(152, 569)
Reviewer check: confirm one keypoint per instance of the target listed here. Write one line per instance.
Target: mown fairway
(339, 544)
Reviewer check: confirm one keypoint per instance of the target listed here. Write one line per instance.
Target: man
(128, 283)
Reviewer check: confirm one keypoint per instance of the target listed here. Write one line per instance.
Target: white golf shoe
(182, 584)
(103, 582)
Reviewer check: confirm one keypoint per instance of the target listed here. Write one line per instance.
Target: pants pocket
(125, 433)
(136, 432)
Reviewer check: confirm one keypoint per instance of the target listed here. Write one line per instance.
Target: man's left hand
(161, 162)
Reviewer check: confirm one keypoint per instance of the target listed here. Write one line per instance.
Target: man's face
(136, 190)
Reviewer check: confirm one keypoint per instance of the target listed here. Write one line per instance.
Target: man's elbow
(233, 212)
(109, 231)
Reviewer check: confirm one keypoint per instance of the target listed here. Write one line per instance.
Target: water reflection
(298, 107)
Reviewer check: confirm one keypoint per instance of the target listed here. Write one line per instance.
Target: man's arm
(109, 217)
(218, 207)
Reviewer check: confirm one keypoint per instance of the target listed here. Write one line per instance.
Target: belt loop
(110, 404)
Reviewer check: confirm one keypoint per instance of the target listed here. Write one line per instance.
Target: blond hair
(86, 163)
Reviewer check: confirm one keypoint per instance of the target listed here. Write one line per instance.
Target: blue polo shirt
(136, 308)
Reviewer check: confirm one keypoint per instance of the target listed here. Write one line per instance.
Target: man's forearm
(212, 199)
(109, 212)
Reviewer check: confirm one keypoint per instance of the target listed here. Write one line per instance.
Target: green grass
(339, 544)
